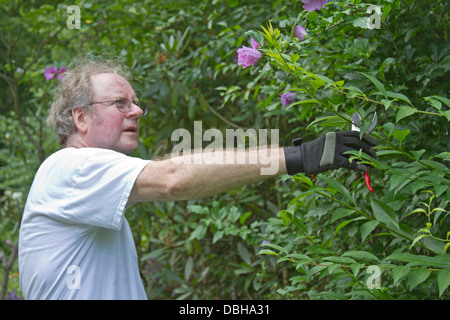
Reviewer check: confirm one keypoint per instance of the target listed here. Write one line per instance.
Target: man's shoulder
(72, 154)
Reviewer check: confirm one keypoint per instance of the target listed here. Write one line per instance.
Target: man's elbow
(174, 188)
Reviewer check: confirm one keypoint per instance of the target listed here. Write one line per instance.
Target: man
(75, 242)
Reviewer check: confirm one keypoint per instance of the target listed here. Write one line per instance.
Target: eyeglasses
(124, 105)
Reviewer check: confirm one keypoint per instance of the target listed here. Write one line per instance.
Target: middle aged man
(75, 242)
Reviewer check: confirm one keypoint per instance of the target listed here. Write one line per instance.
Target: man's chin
(127, 149)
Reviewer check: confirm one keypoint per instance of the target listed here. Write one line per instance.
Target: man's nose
(135, 111)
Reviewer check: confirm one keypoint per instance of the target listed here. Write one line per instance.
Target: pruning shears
(356, 126)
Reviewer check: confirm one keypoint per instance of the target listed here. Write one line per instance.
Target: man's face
(109, 128)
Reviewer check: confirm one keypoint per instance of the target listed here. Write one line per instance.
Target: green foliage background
(286, 238)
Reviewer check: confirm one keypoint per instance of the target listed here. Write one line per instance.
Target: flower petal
(299, 33)
(254, 43)
(311, 5)
(248, 57)
(50, 73)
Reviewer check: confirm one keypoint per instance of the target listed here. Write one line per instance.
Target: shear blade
(356, 119)
(374, 124)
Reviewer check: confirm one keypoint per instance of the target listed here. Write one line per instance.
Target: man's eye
(121, 102)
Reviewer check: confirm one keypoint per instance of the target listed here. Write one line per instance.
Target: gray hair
(75, 89)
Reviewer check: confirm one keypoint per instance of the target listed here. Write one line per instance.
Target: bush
(300, 237)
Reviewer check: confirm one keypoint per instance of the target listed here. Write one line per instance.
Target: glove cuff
(294, 160)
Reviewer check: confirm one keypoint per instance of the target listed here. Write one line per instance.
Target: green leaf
(244, 253)
(199, 232)
(354, 91)
(416, 239)
(386, 103)
(417, 277)
(361, 22)
(387, 152)
(340, 213)
(286, 217)
(384, 213)
(389, 128)
(188, 268)
(268, 251)
(363, 255)
(443, 279)
(312, 17)
(198, 209)
(338, 187)
(294, 57)
(400, 135)
(154, 254)
(233, 3)
(316, 83)
(317, 269)
(398, 96)
(275, 246)
(301, 177)
(217, 236)
(446, 114)
(404, 112)
(437, 261)
(377, 84)
(299, 256)
(339, 259)
(341, 225)
(304, 102)
(418, 154)
(400, 272)
(355, 267)
(367, 228)
(446, 246)
(437, 104)
(396, 180)
(244, 217)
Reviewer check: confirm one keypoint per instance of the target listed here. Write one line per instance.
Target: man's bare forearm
(202, 174)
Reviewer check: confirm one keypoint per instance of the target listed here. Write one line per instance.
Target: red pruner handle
(367, 179)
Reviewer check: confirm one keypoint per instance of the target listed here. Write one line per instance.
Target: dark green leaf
(404, 112)
(443, 279)
(417, 277)
(377, 84)
(384, 213)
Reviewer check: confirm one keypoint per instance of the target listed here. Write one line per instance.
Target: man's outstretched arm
(203, 174)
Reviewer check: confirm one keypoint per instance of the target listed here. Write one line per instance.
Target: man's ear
(80, 118)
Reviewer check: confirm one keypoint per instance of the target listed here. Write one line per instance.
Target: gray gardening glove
(327, 153)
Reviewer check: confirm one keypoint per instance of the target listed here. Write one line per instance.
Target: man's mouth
(131, 129)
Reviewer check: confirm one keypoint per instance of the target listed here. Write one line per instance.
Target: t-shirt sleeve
(101, 186)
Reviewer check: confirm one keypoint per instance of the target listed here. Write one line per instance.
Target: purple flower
(311, 5)
(12, 295)
(254, 43)
(51, 72)
(249, 56)
(287, 98)
(300, 33)
(61, 71)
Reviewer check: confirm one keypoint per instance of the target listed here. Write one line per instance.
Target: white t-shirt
(75, 242)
